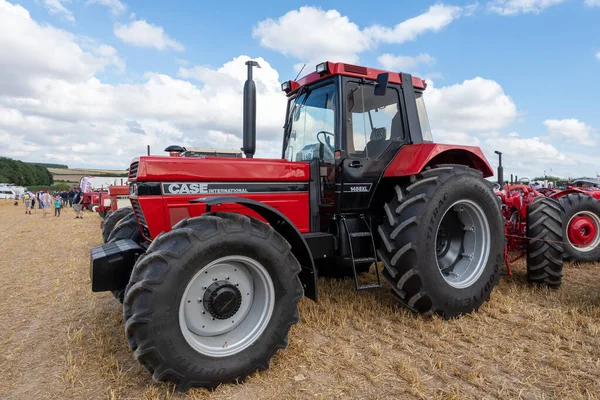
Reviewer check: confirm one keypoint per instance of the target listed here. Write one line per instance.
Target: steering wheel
(326, 137)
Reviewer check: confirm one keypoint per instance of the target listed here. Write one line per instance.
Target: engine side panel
(218, 169)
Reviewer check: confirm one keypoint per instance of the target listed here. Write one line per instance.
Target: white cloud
(475, 112)
(598, 55)
(142, 34)
(436, 18)
(476, 105)
(57, 7)
(572, 130)
(30, 52)
(116, 6)
(314, 35)
(592, 3)
(513, 7)
(404, 63)
(54, 108)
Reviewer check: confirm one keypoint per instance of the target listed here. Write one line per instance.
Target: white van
(6, 193)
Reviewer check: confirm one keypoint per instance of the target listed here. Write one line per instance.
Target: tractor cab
(353, 120)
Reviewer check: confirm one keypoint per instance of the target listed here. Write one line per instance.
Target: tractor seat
(377, 143)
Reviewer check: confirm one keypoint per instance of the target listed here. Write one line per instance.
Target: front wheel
(442, 241)
(212, 300)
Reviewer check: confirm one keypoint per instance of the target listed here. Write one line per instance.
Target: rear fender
(566, 192)
(285, 228)
(412, 159)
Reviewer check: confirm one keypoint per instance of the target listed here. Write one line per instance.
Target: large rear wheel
(581, 227)
(544, 246)
(442, 241)
(212, 300)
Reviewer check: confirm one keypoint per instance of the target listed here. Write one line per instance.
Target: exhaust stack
(500, 168)
(249, 139)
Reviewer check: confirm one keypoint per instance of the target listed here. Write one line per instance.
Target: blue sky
(538, 61)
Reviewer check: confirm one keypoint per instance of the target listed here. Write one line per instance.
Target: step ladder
(365, 232)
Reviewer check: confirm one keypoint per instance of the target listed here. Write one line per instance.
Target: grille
(355, 69)
(133, 170)
(135, 204)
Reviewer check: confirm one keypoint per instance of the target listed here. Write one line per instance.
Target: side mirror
(381, 84)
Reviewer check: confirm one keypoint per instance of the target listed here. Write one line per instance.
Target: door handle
(355, 164)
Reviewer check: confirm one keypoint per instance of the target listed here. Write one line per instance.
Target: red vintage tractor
(569, 224)
(228, 246)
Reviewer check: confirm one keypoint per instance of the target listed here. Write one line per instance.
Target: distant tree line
(24, 174)
(61, 166)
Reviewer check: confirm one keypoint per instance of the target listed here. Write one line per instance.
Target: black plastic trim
(412, 114)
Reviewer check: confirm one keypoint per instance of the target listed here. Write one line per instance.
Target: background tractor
(218, 251)
(568, 219)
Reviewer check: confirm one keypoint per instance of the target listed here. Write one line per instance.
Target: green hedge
(24, 174)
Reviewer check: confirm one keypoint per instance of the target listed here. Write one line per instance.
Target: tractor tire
(187, 323)
(545, 255)
(442, 241)
(126, 228)
(581, 227)
(112, 219)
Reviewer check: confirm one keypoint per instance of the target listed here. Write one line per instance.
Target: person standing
(45, 201)
(70, 196)
(27, 198)
(57, 206)
(78, 203)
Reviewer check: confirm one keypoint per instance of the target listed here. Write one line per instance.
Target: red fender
(594, 193)
(412, 159)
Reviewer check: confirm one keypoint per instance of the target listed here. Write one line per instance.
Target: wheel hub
(582, 230)
(442, 242)
(462, 243)
(222, 300)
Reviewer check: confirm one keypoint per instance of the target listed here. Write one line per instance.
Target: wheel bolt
(199, 300)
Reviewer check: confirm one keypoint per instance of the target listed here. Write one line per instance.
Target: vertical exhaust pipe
(511, 178)
(249, 139)
(500, 168)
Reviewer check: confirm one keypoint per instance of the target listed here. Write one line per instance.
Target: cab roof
(354, 71)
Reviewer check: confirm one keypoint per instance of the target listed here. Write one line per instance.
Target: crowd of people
(46, 201)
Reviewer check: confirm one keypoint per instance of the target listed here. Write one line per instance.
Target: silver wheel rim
(224, 336)
(463, 252)
(594, 243)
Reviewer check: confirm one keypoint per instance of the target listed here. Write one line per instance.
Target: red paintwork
(582, 230)
(340, 69)
(413, 158)
(595, 193)
(515, 200)
(91, 198)
(211, 169)
(163, 212)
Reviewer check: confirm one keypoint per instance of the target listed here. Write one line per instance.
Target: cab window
(372, 122)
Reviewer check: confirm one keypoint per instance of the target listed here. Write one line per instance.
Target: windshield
(311, 125)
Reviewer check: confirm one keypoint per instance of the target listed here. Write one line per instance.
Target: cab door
(373, 131)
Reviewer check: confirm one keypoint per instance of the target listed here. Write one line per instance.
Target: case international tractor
(218, 251)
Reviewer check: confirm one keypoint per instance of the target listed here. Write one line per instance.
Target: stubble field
(58, 340)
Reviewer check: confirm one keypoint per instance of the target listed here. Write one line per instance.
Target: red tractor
(226, 247)
(569, 224)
